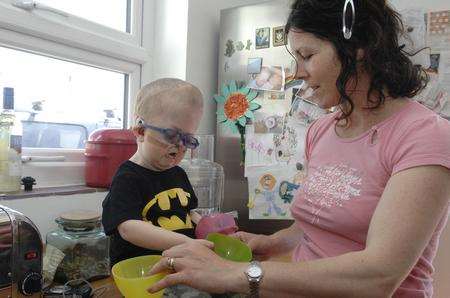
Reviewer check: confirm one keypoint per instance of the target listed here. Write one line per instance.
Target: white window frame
(74, 39)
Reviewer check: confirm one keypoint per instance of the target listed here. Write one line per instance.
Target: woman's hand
(197, 266)
(203, 242)
(261, 245)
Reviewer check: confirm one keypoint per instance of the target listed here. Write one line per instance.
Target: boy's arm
(145, 234)
(195, 216)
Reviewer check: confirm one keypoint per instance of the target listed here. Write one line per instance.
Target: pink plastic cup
(215, 223)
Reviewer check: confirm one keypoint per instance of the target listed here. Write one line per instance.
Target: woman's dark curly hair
(376, 30)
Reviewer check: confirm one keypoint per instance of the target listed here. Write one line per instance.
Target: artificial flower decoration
(238, 106)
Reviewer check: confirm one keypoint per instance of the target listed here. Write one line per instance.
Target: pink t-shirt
(346, 178)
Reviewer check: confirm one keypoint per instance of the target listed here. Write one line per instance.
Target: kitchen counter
(110, 289)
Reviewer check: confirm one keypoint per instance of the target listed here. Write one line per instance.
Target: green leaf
(252, 95)
(244, 90)
(242, 120)
(219, 98)
(231, 124)
(249, 114)
(234, 128)
(232, 87)
(254, 106)
(221, 116)
(225, 90)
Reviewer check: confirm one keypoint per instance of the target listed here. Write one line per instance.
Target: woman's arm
(411, 206)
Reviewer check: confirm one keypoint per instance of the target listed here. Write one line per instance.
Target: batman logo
(172, 199)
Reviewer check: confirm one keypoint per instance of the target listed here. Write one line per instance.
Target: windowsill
(51, 191)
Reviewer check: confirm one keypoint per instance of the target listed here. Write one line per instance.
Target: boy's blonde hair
(167, 97)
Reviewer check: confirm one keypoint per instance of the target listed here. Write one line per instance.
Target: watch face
(254, 272)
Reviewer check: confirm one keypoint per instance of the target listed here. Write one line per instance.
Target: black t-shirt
(162, 198)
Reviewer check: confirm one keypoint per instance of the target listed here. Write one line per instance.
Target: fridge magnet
(226, 67)
(229, 48)
(240, 46)
(271, 78)
(236, 106)
(279, 36)
(262, 38)
(249, 44)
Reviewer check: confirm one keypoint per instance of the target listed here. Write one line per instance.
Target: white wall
(169, 39)
(203, 50)
(43, 210)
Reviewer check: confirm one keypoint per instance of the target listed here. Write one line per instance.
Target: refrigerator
(239, 25)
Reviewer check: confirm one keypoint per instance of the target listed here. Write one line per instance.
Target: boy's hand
(195, 216)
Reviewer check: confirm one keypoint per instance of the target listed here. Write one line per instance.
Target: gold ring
(170, 264)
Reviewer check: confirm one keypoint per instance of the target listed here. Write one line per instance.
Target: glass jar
(206, 176)
(85, 246)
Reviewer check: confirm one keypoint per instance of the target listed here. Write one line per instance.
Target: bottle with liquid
(10, 145)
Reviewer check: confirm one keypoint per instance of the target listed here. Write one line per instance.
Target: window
(73, 69)
(61, 102)
(110, 13)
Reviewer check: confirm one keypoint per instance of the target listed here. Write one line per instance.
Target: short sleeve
(122, 202)
(424, 142)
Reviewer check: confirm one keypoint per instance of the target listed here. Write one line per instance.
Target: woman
(369, 215)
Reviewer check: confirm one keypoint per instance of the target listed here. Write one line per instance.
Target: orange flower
(235, 106)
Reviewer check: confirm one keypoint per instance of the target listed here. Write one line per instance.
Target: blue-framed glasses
(173, 136)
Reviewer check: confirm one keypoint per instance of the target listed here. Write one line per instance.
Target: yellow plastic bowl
(131, 277)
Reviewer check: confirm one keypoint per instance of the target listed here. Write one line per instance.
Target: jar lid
(79, 220)
(81, 215)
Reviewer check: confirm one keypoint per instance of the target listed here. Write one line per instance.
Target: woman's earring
(347, 31)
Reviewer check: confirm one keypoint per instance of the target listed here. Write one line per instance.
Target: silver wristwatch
(254, 275)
